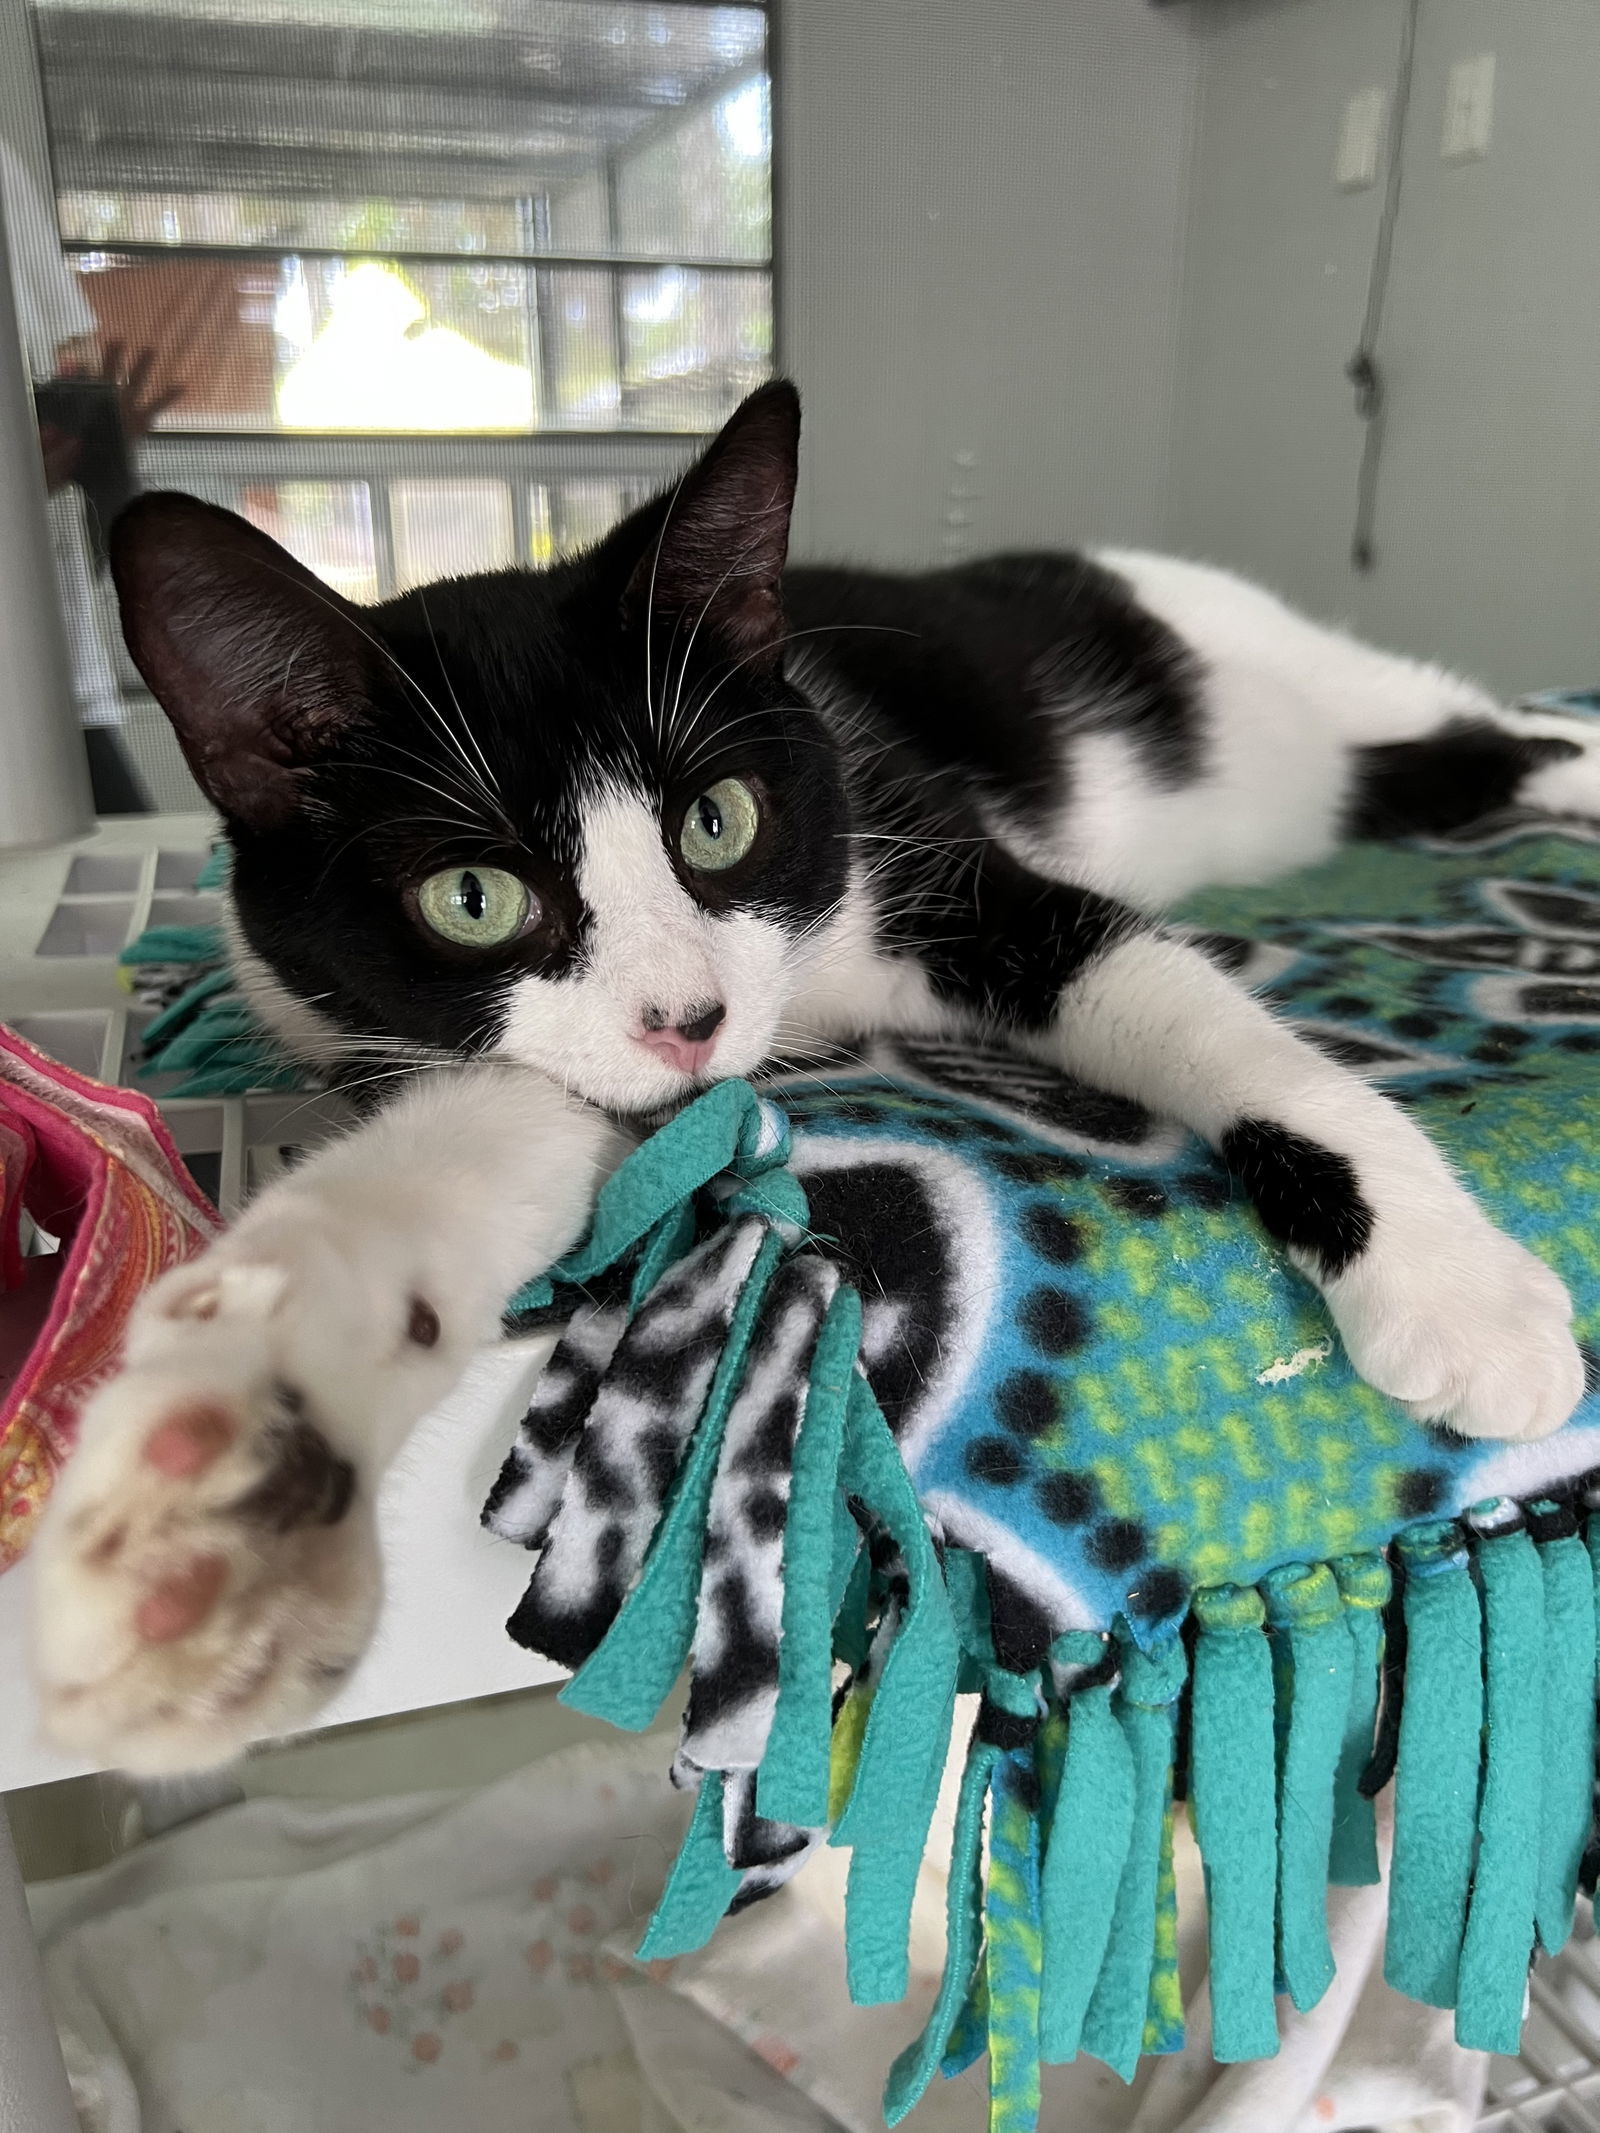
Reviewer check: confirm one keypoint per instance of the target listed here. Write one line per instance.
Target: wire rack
(66, 914)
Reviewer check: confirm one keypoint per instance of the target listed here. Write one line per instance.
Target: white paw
(1460, 1324)
(207, 1569)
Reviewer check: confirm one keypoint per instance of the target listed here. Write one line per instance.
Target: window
(442, 287)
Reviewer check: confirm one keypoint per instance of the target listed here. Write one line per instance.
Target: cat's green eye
(720, 827)
(475, 907)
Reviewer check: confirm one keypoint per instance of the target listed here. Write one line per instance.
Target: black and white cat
(574, 842)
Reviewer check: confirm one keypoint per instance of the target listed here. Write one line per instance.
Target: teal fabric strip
(792, 1782)
(214, 874)
(904, 1732)
(666, 1244)
(879, 1892)
(969, 2040)
(630, 1673)
(917, 2064)
(728, 1129)
(902, 1758)
(184, 1008)
(1163, 2017)
(1569, 1733)
(1151, 1684)
(176, 944)
(851, 1640)
(213, 1022)
(1305, 1611)
(1233, 1800)
(1364, 1586)
(1499, 1936)
(700, 1886)
(1013, 1949)
(1436, 1780)
(236, 1069)
(1086, 1851)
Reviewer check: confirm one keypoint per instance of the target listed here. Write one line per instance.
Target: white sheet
(461, 1961)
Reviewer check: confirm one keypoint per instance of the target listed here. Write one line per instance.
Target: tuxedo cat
(544, 851)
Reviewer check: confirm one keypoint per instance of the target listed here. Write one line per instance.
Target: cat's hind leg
(1475, 769)
(207, 1568)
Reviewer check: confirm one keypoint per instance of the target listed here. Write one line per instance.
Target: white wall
(981, 215)
(1488, 525)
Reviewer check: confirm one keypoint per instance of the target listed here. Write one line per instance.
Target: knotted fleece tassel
(1436, 1783)
(1115, 2024)
(1569, 1716)
(1088, 1832)
(1306, 1618)
(1364, 1585)
(1232, 1794)
(1499, 1938)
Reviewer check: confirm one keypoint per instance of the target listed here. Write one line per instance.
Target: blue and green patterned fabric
(930, 1373)
(1161, 1530)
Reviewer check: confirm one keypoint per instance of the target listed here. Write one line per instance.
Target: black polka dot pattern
(1421, 1490)
(1030, 1169)
(1053, 1235)
(1137, 1196)
(1161, 1590)
(995, 1460)
(1068, 1499)
(1116, 1544)
(1029, 1402)
(1055, 1322)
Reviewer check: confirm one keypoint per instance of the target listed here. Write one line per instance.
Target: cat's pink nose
(687, 1043)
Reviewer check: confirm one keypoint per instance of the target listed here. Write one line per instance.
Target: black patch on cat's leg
(1307, 1196)
(1030, 938)
(1467, 770)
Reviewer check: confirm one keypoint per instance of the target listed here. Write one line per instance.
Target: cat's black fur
(883, 717)
(887, 708)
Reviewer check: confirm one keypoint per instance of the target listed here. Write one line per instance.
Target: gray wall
(981, 217)
(1489, 506)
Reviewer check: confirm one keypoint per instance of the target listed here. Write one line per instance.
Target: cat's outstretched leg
(208, 1570)
(1435, 1305)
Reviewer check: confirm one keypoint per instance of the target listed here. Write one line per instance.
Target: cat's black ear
(260, 667)
(716, 544)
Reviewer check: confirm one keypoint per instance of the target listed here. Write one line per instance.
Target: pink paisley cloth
(94, 1167)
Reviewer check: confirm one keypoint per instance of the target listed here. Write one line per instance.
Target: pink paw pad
(187, 1443)
(180, 1603)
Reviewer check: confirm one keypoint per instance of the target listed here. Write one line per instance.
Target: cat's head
(578, 817)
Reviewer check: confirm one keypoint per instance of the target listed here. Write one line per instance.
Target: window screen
(441, 286)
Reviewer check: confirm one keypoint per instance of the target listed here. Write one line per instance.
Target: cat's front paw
(207, 1570)
(1460, 1324)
